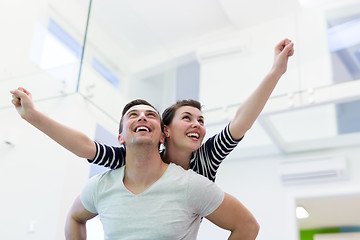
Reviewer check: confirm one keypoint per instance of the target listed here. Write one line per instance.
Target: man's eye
(152, 114)
(201, 121)
(132, 115)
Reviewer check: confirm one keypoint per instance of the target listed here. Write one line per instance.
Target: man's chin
(144, 142)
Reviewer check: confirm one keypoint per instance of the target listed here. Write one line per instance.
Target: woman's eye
(201, 121)
(186, 117)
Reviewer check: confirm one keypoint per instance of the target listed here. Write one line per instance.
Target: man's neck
(143, 168)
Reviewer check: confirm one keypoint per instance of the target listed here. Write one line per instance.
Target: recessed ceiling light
(301, 212)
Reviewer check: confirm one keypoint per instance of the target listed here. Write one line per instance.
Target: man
(150, 199)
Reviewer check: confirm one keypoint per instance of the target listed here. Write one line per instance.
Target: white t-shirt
(171, 208)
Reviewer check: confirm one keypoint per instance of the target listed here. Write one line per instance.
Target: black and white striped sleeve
(207, 158)
(109, 156)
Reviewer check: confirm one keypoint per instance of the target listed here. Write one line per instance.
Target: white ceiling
(148, 26)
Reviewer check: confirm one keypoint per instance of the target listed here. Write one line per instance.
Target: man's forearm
(75, 230)
(235, 217)
(248, 232)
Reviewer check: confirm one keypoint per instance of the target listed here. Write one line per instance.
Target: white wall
(39, 179)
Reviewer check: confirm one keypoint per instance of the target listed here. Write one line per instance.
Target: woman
(183, 127)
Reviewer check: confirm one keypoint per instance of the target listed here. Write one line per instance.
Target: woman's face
(186, 130)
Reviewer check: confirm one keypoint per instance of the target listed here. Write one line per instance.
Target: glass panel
(335, 57)
(41, 48)
(120, 60)
(344, 42)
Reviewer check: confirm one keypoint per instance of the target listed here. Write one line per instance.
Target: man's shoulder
(189, 174)
(108, 174)
(176, 168)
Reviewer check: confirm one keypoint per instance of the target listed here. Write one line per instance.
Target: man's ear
(162, 138)
(121, 140)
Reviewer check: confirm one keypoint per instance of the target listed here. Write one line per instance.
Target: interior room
(297, 169)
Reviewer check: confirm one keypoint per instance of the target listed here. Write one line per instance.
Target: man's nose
(142, 117)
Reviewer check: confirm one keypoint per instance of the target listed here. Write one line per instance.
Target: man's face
(141, 125)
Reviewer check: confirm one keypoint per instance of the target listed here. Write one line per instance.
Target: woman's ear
(166, 131)
(121, 140)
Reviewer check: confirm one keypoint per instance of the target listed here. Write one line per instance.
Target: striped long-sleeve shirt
(204, 161)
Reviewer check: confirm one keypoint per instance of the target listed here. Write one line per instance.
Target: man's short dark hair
(135, 103)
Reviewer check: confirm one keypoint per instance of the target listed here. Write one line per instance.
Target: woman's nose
(196, 124)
